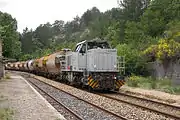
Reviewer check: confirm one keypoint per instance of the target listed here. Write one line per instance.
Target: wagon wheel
(116, 89)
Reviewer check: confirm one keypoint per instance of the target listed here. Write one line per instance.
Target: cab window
(78, 48)
(83, 49)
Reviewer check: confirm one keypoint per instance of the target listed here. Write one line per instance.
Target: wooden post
(1, 61)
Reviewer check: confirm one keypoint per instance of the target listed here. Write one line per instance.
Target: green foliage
(153, 23)
(113, 34)
(133, 81)
(7, 76)
(139, 81)
(6, 114)
(134, 62)
(165, 50)
(151, 83)
(158, 15)
(9, 35)
(135, 36)
(133, 9)
(26, 57)
(173, 30)
(173, 90)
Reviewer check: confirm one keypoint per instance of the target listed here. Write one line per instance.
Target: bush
(152, 83)
(134, 63)
(26, 57)
(134, 81)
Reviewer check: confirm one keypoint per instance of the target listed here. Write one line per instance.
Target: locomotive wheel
(83, 86)
(90, 89)
(67, 82)
(117, 89)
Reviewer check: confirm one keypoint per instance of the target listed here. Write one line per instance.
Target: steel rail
(118, 116)
(149, 100)
(141, 106)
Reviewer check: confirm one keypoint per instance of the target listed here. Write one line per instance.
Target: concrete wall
(158, 71)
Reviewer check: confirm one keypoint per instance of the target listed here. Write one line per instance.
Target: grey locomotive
(94, 64)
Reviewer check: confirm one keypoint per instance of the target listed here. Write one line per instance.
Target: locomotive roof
(93, 40)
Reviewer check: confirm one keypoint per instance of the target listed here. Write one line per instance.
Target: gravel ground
(154, 94)
(85, 110)
(26, 104)
(126, 110)
(156, 106)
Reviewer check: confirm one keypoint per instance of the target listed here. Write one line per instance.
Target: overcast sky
(31, 13)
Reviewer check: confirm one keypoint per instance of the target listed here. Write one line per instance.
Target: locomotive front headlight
(94, 66)
(115, 66)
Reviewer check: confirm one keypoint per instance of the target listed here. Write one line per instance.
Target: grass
(151, 83)
(7, 76)
(6, 114)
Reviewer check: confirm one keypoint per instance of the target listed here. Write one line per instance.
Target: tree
(26, 41)
(133, 9)
(11, 43)
(89, 16)
(43, 33)
(58, 27)
(134, 62)
(159, 14)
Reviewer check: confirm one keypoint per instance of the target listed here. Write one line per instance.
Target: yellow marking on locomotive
(90, 81)
(95, 84)
(89, 77)
(117, 86)
(118, 83)
(122, 82)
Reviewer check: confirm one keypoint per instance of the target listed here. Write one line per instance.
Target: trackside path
(25, 101)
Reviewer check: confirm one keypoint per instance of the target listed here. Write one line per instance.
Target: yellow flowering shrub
(134, 80)
(150, 52)
(166, 49)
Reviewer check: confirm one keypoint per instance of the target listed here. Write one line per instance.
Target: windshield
(95, 45)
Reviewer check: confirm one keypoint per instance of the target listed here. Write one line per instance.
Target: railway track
(147, 104)
(56, 104)
(120, 108)
(96, 111)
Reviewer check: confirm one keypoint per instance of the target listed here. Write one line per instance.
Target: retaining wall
(173, 71)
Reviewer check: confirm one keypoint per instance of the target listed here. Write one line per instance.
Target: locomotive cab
(84, 46)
